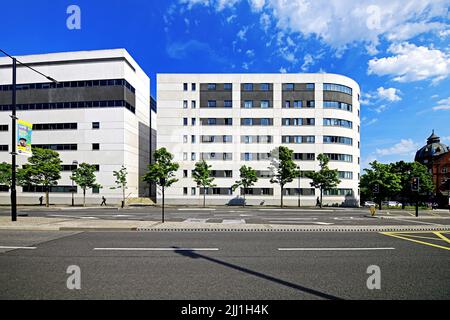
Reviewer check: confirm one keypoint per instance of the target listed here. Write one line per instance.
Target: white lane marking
(195, 220)
(9, 247)
(231, 221)
(291, 218)
(295, 210)
(434, 224)
(333, 249)
(66, 216)
(156, 249)
(300, 222)
(196, 209)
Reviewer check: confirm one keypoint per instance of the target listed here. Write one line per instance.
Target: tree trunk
(281, 196)
(123, 196)
(204, 197)
(245, 190)
(162, 204)
(84, 197)
(321, 197)
(47, 200)
(379, 203)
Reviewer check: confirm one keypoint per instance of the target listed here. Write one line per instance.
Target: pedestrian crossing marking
(411, 236)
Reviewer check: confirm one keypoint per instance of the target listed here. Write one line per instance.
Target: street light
(74, 163)
(299, 190)
(13, 130)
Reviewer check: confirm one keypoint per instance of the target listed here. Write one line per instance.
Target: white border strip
(156, 249)
(333, 249)
(26, 248)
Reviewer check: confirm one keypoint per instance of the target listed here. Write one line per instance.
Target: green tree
(43, 168)
(248, 179)
(409, 170)
(5, 174)
(202, 176)
(84, 177)
(325, 178)
(162, 171)
(121, 181)
(383, 175)
(283, 168)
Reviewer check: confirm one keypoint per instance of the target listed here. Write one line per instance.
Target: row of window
(267, 191)
(332, 122)
(55, 189)
(71, 167)
(63, 147)
(70, 84)
(338, 139)
(60, 126)
(249, 86)
(4, 127)
(70, 105)
(298, 104)
(337, 105)
(337, 87)
(248, 156)
(298, 121)
(269, 122)
(226, 86)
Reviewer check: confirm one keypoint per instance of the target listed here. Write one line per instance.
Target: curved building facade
(231, 120)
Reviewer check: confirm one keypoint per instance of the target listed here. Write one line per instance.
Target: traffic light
(415, 184)
(376, 188)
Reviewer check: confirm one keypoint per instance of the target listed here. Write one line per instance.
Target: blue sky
(397, 50)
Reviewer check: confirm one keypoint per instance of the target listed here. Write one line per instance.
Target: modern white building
(99, 112)
(232, 120)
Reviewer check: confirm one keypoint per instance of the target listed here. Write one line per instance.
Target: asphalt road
(240, 265)
(250, 215)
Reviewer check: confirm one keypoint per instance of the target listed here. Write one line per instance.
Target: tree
(202, 176)
(43, 168)
(383, 175)
(121, 182)
(5, 174)
(84, 177)
(283, 168)
(162, 171)
(248, 179)
(325, 178)
(409, 170)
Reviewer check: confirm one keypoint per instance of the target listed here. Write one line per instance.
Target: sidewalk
(59, 224)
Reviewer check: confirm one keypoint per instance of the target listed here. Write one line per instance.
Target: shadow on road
(194, 255)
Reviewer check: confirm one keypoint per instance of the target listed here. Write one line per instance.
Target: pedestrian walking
(103, 201)
(318, 202)
(41, 198)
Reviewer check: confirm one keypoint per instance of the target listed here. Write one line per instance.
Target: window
(265, 122)
(287, 104)
(228, 104)
(185, 157)
(228, 121)
(289, 87)
(3, 147)
(264, 87)
(248, 104)
(193, 156)
(193, 121)
(337, 139)
(211, 86)
(96, 146)
(185, 87)
(310, 104)
(95, 190)
(337, 87)
(185, 121)
(193, 104)
(337, 105)
(192, 138)
(264, 104)
(247, 121)
(3, 127)
(310, 86)
(185, 173)
(185, 104)
(56, 147)
(185, 139)
(185, 191)
(211, 103)
(212, 121)
(339, 157)
(193, 191)
(227, 86)
(193, 87)
(95, 125)
(248, 86)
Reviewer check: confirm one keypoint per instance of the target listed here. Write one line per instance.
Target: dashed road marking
(156, 249)
(333, 249)
(12, 247)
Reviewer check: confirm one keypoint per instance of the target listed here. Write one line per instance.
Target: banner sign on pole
(24, 130)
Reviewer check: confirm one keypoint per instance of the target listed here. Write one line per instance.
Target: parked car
(369, 204)
(392, 203)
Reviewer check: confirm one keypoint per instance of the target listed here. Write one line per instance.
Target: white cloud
(405, 146)
(231, 18)
(283, 70)
(389, 94)
(257, 5)
(443, 104)
(340, 23)
(412, 63)
(250, 53)
(265, 22)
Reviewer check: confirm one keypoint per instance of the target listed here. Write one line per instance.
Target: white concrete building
(235, 119)
(98, 112)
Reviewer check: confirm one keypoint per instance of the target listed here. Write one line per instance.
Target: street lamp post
(74, 163)
(13, 130)
(299, 191)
